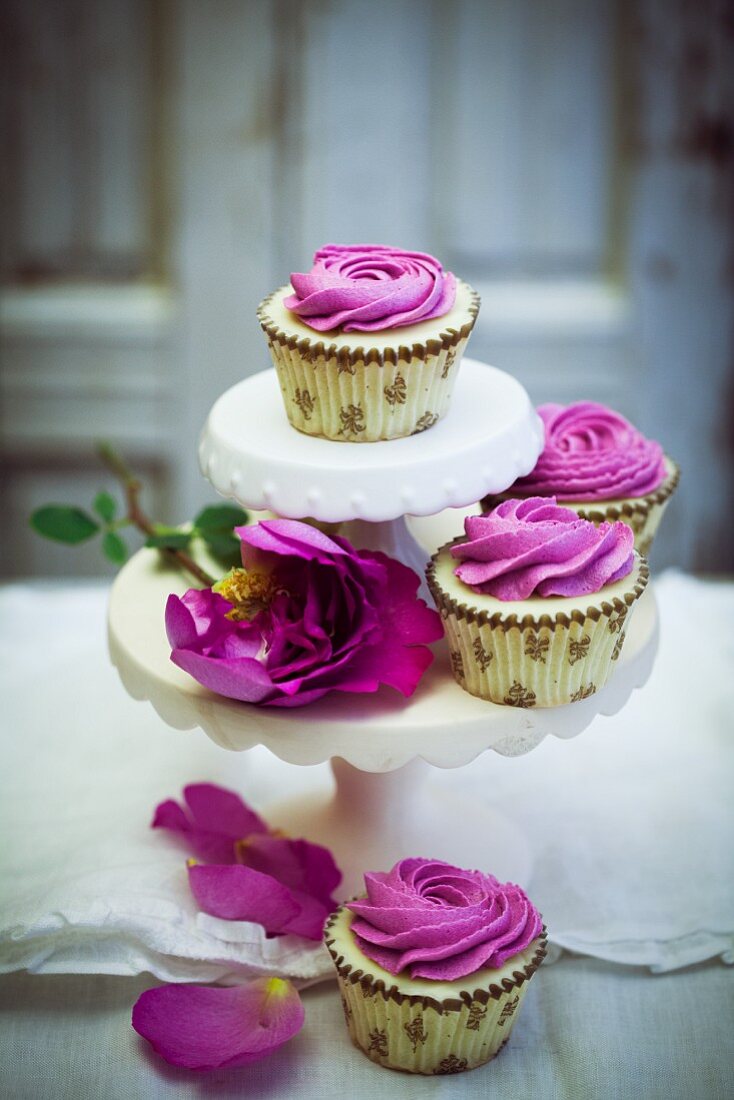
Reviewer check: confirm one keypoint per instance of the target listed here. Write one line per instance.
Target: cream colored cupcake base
(369, 401)
(539, 652)
(420, 1026)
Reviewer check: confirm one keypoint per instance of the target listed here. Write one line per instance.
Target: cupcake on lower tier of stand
(433, 965)
(597, 463)
(536, 602)
(367, 344)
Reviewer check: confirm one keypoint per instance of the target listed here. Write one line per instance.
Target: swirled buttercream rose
(367, 287)
(535, 547)
(434, 920)
(307, 614)
(593, 453)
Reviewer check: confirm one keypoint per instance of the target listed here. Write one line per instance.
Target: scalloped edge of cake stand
(250, 453)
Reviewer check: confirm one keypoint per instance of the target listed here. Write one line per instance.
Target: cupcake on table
(597, 463)
(433, 965)
(367, 344)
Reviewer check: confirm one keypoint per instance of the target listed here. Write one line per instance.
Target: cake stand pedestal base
(373, 819)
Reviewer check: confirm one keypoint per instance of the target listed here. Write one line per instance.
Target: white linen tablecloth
(589, 1030)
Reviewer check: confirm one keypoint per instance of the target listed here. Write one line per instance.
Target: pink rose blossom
(307, 615)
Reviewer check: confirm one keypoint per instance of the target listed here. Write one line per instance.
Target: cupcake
(367, 344)
(536, 602)
(433, 965)
(597, 463)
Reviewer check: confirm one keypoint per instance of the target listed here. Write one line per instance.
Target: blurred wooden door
(169, 163)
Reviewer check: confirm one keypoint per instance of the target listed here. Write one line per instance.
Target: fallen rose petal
(296, 863)
(216, 819)
(217, 809)
(200, 1027)
(236, 892)
(310, 921)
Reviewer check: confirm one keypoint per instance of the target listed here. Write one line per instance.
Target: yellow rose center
(248, 592)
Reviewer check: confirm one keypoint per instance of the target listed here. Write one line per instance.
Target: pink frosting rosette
(434, 920)
(534, 546)
(592, 453)
(367, 287)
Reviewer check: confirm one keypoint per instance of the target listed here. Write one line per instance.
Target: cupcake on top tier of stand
(536, 602)
(597, 463)
(367, 343)
(433, 965)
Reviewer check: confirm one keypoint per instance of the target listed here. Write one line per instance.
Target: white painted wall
(169, 164)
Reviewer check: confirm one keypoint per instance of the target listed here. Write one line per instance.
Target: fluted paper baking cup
(362, 394)
(456, 1026)
(643, 514)
(534, 659)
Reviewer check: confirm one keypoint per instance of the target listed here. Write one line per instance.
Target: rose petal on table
(310, 920)
(215, 820)
(236, 892)
(201, 1027)
(298, 864)
(216, 809)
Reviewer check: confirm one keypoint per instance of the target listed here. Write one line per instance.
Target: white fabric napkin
(94, 889)
(631, 821)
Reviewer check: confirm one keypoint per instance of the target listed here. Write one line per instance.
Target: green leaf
(225, 547)
(220, 517)
(105, 506)
(64, 523)
(114, 548)
(169, 540)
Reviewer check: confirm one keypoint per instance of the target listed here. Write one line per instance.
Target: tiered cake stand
(380, 746)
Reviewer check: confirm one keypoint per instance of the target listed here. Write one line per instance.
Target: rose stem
(132, 487)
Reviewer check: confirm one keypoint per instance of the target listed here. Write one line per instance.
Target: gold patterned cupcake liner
(363, 395)
(643, 514)
(539, 661)
(423, 1034)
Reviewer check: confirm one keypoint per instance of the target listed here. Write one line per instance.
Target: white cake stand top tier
(250, 453)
